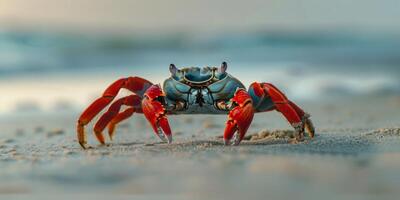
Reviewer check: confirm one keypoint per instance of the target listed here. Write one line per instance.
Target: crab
(192, 90)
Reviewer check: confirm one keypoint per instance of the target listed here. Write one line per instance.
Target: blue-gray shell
(223, 89)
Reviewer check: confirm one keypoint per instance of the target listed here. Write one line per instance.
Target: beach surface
(355, 155)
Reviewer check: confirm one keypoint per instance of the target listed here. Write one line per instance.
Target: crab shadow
(330, 143)
(205, 142)
(324, 144)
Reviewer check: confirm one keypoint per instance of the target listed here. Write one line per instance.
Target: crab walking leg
(239, 118)
(131, 100)
(136, 85)
(305, 119)
(267, 97)
(153, 109)
(117, 119)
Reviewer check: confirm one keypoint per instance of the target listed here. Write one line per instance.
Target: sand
(355, 155)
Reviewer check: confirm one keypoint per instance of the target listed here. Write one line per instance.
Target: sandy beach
(355, 155)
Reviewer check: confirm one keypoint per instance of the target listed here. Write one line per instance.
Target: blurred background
(59, 55)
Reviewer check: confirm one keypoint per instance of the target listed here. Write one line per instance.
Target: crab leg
(131, 100)
(267, 97)
(119, 118)
(154, 110)
(136, 85)
(239, 118)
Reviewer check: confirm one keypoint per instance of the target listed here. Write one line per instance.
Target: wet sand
(355, 155)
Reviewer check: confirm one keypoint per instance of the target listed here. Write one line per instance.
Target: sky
(205, 15)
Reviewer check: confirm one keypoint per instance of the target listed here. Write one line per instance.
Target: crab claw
(154, 110)
(239, 118)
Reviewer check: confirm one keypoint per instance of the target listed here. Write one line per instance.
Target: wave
(36, 52)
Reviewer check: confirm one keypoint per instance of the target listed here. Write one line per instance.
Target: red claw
(153, 109)
(239, 118)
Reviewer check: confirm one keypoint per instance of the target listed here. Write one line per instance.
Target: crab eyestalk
(154, 110)
(239, 118)
(223, 67)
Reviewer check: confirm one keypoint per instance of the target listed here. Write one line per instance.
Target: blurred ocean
(57, 71)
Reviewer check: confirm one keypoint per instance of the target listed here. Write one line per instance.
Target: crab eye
(223, 67)
(173, 69)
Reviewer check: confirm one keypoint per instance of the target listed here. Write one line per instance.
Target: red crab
(192, 90)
